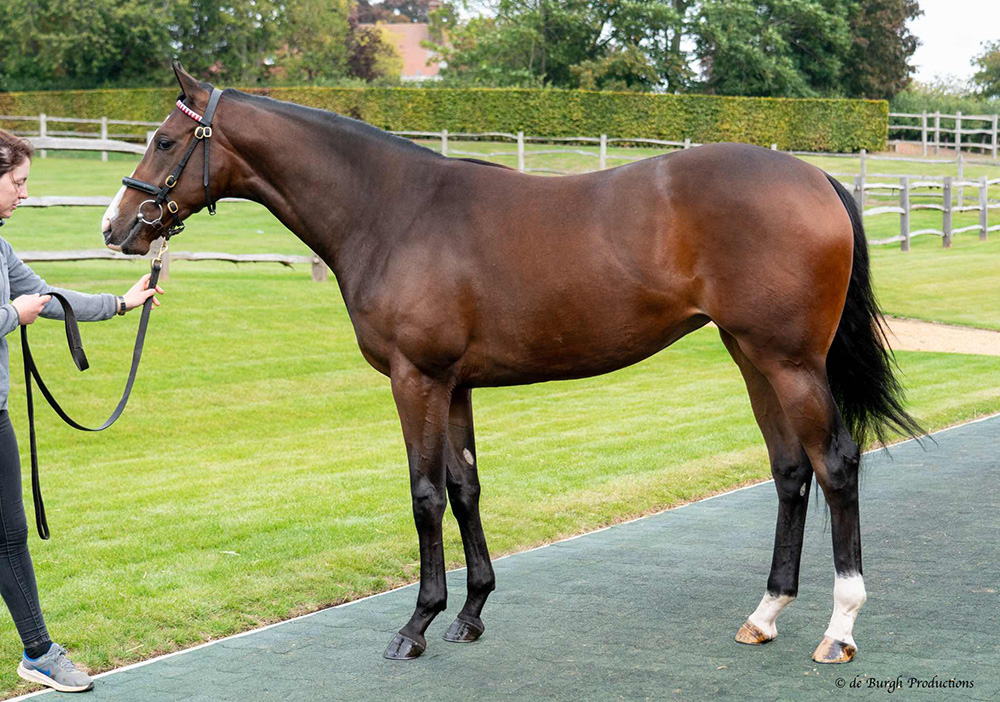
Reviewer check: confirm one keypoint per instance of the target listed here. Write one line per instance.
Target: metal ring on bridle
(203, 132)
(148, 221)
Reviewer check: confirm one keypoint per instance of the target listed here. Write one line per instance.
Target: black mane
(333, 119)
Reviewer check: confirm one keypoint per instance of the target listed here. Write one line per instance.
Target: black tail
(860, 363)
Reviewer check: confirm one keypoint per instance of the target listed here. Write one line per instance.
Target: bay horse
(459, 275)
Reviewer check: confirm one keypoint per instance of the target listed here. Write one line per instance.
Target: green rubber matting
(648, 609)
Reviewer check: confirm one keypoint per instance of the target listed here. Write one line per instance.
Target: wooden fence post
(149, 138)
(937, 133)
(946, 218)
(444, 142)
(604, 152)
(958, 132)
(859, 189)
(961, 177)
(904, 217)
(923, 131)
(520, 152)
(984, 212)
(104, 137)
(43, 130)
(320, 273)
(687, 143)
(864, 175)
(994, 135)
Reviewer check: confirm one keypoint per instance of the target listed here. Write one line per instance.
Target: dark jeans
(17, 576)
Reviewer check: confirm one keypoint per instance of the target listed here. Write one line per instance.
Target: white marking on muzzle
(111, 214)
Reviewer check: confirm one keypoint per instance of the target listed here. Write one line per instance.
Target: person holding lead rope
(43, 662)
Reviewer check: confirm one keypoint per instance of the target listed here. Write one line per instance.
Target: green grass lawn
(259, 471)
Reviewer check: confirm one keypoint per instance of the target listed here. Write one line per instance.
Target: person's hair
(13, 151)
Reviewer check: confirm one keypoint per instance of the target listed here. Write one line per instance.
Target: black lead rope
(80, 358)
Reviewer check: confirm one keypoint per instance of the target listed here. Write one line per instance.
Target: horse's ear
(189, 86)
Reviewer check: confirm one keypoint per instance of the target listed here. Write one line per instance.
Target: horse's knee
(792, 474)
(429, 500)
(464, 496)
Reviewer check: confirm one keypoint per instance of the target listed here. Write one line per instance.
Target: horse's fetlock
(434, 604)
(483, 585)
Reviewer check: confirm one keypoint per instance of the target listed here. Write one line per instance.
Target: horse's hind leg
(423, 405)
(792, 478)
(802, 387)
(463, 491)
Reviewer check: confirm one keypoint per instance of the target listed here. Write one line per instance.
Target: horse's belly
(561, 352)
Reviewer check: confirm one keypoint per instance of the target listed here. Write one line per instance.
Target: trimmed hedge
(799, 124)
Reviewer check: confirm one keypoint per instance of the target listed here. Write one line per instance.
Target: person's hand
(140, 292)
(29, 307)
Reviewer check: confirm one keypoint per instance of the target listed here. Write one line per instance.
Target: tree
(877, 65)
(620, 44)
(987, 77)
(48, 44)
(231, 40)
(788, 48)
(316, 40)
(370, 54)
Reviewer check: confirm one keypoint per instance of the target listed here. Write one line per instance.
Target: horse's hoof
(462, 631)
(403, 648)
(833, 651)
(751, 634)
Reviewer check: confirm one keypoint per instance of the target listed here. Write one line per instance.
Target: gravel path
(914, 335)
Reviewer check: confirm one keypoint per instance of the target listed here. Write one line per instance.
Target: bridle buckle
(202, 132)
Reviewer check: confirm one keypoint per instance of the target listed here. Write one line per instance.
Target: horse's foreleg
(805, 396)
(463, 491)
(423, 404)
(792, 478)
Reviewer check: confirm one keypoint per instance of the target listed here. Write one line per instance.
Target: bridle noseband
(202, 134)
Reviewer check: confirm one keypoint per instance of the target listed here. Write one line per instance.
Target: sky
(952, 33)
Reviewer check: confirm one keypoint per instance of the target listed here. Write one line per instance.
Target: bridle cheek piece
(202, 134)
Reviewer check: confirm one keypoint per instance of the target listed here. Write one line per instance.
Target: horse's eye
(163, 144)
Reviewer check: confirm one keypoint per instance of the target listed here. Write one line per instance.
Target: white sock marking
(848, 596)
(767, 611)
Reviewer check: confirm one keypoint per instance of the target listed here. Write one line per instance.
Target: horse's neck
(334, 187)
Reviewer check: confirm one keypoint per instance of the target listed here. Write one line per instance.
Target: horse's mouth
(107, 240)
(130, 244)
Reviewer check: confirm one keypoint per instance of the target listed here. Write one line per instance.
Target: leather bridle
(202, 134)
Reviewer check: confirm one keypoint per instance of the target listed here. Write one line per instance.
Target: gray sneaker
(54, 670)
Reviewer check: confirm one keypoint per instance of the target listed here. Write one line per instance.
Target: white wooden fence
(45, 121)
(927, 129)
(945, 190)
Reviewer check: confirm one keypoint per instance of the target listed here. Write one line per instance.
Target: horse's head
(168, 184)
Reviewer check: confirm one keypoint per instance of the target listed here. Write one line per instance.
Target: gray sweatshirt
(17, 279)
